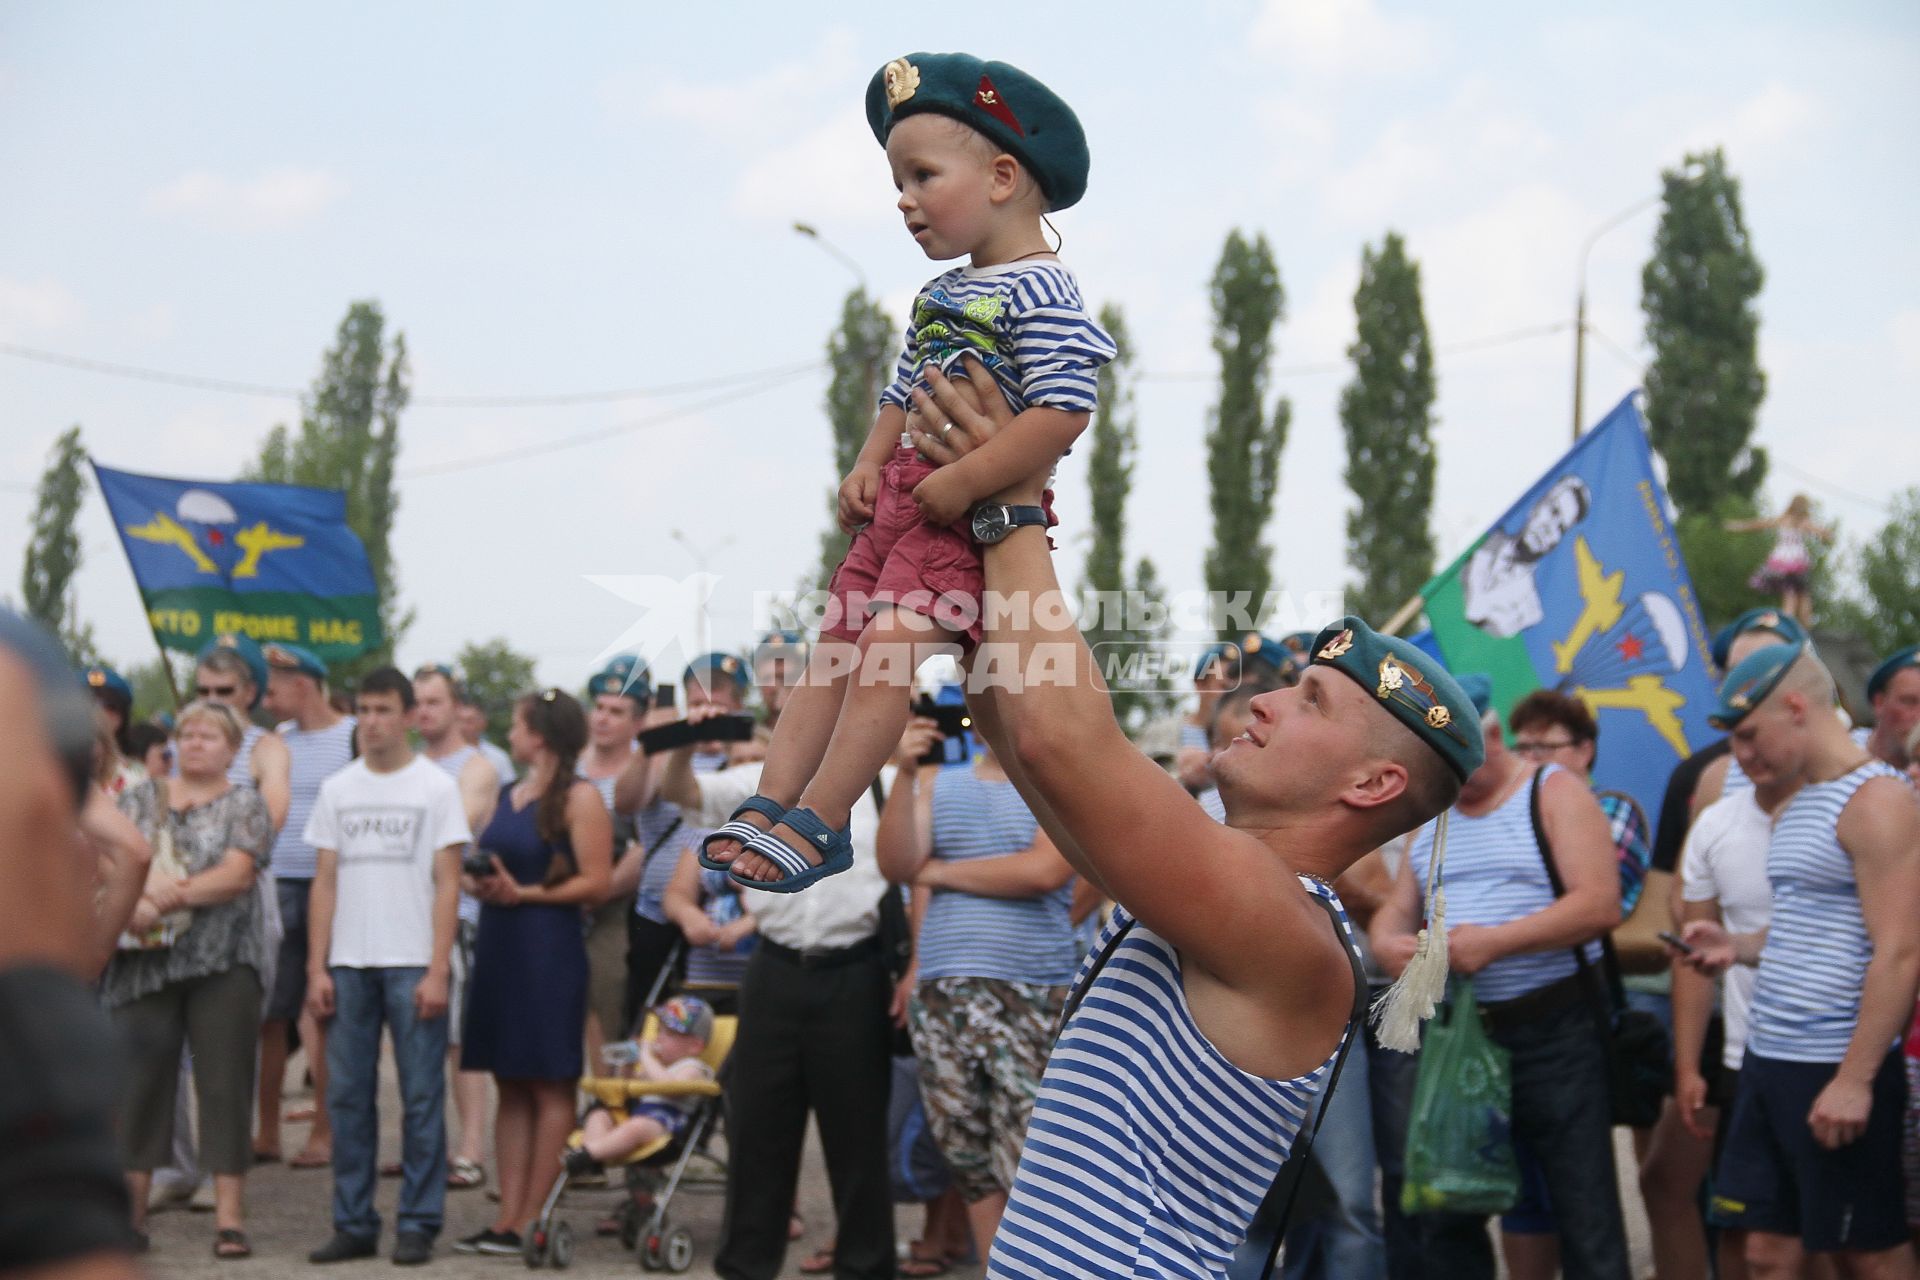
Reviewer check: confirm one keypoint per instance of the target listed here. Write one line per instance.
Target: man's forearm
(679, 784)
(1058, 694)
(320, 920)
(1886, 1007)
(446, 913)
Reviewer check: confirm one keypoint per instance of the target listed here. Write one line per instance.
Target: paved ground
(288, 1215)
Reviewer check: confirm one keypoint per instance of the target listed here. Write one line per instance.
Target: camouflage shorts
(982, 1045)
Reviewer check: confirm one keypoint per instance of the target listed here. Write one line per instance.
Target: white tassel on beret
(1417, 992)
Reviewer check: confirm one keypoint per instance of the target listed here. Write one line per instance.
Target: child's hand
(857, 494)
(942, 497)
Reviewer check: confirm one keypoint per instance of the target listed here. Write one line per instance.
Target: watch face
(990, 524)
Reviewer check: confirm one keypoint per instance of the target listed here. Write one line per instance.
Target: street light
(1580, 308)
(807, 230)
(700, 558)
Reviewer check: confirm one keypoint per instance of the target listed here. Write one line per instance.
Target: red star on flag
(1630, 647)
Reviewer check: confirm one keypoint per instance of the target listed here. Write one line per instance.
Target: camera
(477, 862)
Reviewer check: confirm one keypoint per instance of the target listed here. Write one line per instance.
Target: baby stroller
(659, 1167)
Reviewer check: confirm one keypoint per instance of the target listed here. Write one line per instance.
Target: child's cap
(1001, 101)
(686, 1015)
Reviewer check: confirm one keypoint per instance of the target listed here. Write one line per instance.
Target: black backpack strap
(1612, 987)
(1254, 1259)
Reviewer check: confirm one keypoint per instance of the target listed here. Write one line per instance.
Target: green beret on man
(1411, 685)
(708, 666)
(996, 99)
(291, 657)
(1752, 680)
(1785, 626)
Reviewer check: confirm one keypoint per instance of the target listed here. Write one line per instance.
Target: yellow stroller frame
(662, 1246)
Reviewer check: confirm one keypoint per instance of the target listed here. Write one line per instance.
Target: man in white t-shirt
(388, 830)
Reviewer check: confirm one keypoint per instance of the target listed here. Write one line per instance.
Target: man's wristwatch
(992, 521)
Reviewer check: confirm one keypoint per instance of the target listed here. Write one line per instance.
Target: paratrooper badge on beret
(1414, 688)
(1752, 681)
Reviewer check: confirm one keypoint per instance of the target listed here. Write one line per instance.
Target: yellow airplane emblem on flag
(1649, 696)
(1600, 606)
(256, 540)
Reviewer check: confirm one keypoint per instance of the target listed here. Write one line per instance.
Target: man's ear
(1383, 782)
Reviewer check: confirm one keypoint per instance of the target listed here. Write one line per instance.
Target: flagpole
(166, 665)
(1403, 615)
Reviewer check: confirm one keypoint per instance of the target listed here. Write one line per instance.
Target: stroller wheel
(560, 1246)
(652, 1256)
(534, 1251)
(679, 1250)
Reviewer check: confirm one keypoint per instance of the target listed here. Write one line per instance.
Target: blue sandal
(735, 829)
(834, 847)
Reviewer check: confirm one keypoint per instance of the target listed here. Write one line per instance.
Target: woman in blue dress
(551, 844)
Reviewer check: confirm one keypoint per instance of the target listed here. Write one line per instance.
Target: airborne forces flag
(1580, 588)
(275, 561)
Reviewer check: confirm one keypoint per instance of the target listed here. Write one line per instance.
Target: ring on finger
(944, 429)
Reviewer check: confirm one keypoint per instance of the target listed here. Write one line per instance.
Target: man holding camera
(389, 829)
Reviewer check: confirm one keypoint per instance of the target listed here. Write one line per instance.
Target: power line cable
(270, 391)
(606, 433)
(1311, 368)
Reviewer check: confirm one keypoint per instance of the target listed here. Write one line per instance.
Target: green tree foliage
(349, 438)
(1118, 623)
(53, 548)
(1387, 414)
(1705, 385)
(1719, 562)
(152, 691)
(1885, 609)
(859, 354)
(495, 675)
(1244, 441)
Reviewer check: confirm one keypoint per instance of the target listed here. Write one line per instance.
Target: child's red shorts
(900, 560)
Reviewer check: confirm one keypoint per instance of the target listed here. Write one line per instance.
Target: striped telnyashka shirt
(1806, 996)
(1148, 1151)
(312, 758)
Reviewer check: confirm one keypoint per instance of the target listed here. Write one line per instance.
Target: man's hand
(430, 996)
(922, 732)
(320, 994)
(977, 411)
(1713, 952)
(1471, 948)
(1690, 1099)
(1839, 1114)
(857, 494)
(1193, 766)
(902, 993)
(942, 497)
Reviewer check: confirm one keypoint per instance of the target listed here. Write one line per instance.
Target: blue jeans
(363, 1000)
(1561, 1109)
(1342, 1242)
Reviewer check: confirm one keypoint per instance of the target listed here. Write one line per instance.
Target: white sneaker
(167, 1193)
(202, 1201)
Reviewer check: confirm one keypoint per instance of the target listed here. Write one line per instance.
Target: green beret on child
(1019, 114)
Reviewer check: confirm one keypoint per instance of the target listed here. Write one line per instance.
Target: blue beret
(725, 663)
(1414, 688)
(625, 675)
(1748, 684)
(1018, 113)
(781, 644)
(249, 652)
(104, 679)
(1224, 650)
(291, 657)
(1893, 666)
(1787, 628)
(1276, 655)
(1479, 689)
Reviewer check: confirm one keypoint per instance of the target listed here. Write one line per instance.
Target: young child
(980, 152)
(671, 1053)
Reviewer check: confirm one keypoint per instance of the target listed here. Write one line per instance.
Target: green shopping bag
(1460, 1139)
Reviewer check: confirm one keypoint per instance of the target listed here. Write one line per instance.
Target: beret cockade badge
(1337, 646)
(903, 78)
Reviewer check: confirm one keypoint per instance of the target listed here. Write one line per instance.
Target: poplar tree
(1244, 440)
(53, 547)
(859, 354)
(1387, 415)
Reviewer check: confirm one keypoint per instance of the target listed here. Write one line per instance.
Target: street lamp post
(845, 260)
(1580, 306)
(701, 555)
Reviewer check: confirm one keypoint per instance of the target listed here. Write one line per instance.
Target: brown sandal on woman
(230, 1244)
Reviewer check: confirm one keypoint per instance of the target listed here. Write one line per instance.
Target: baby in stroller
(683, 1025)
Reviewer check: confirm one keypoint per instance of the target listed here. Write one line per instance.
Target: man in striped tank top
(1812, 1162)
(319, 743)
(1893, 691)
(1202, 1033)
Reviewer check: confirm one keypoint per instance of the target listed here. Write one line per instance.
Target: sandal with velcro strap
(835, 849)
(735, 828)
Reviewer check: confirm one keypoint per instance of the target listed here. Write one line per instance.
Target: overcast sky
(555, 199)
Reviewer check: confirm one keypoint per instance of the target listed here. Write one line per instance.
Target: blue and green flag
(1580, 588)
(275, 561)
